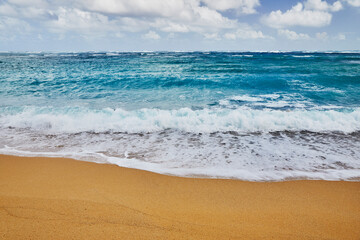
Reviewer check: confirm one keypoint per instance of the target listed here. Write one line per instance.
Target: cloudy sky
(184, 25)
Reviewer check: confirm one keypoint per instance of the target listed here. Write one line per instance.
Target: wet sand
(52, 198)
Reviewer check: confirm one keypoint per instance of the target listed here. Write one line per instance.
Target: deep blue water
(256, 116)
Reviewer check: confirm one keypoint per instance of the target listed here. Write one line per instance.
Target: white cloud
(340, 37)
(208, 19)
(178, 12)
(299, 16)
(7, 10)
(166, 25)
(169, 16)
(322, 35)
(245, 33)
(212, 36)
(166, 8)
(8, 23)
(135, 7)
(178, 16)
(148, 18)
(354, 3)
(293, 35)
(151, 35)
(12, 27)
(29, 3)
(171, 35)
(243, 6)
(75, 20)
(27, 11)
(323, 5)
(119, 35)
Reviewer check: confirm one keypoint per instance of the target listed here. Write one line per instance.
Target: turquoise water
(252, 116)
(174, 80)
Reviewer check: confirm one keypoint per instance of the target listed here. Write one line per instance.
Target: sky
(179, 25)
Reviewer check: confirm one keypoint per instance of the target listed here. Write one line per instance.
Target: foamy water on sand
(250, 116)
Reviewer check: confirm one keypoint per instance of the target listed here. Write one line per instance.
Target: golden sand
(49, 198)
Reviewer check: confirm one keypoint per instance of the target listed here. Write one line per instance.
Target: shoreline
(282, 176)
(58, 198)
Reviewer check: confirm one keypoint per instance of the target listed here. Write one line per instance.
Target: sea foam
(76, 119)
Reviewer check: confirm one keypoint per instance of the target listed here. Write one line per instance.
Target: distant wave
(302, 56)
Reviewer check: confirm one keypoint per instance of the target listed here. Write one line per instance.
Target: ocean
(256, 116)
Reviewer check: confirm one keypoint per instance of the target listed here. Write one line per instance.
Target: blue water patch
(174, 80)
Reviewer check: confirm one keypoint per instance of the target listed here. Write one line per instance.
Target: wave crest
(76, 119)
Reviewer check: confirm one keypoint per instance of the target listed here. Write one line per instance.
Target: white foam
(243, 55)
(354, 62)
(270, 96)
(73, 120)
(246, 98)
(249, 157)
(189, 142)
(112, 54)
(302, 56)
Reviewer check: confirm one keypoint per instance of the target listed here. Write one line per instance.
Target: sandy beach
(50, 198)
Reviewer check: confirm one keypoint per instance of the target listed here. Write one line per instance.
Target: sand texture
(49, 198)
